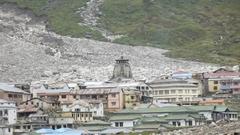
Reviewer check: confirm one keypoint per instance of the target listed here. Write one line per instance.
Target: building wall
(183, 123)
(176, 94)
(13, 96)
(98, 110)
(131, 99)
(6, 131)
(9, 111)
(115, 101)
(125, 123)
(207, 115)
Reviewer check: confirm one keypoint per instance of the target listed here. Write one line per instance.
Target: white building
(172, 90)
(94, 106)
(8, 116)
(126, 121)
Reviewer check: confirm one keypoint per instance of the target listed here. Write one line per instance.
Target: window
(147, 88)
(121, 124)
(116, 124)
(5, 112)
(9, 129)
(180, 91)
(77, 110)
(37, 104)
(64, 96)
(194, 91)
(155, 92)
(113, 103)
(113, 95)
(235, 83)
(94, 96)
(160, 92)
(166, 92)
(10, 96)
(215, 88)
(17, 127)
(90, 115)
(101, 96)
(74, 96)
(215, 82)
(179, 124)
(173, 91)
(223, 83)
(190, 123)
(132, 97)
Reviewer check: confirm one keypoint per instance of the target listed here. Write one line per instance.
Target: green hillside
(201, 30)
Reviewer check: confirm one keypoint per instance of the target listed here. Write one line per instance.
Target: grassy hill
(201, 30)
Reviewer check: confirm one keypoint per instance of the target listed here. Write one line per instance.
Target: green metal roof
(182, 116)
(124, 117)
(94, 128)
(169, 109)
(174, 109)
(153, 119)
(97, 122)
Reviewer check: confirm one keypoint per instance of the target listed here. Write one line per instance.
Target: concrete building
(42, 103)
(131, 98)
(8, 112)
(11, 93)
(59, 91)
(126, 121)
(112, 98)
(8, 116)
(173, 90)
(95, 107)
(221, 80)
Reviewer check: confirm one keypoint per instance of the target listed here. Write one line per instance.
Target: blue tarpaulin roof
(61, 131)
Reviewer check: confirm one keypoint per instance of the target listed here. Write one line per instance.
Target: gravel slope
(28, 50)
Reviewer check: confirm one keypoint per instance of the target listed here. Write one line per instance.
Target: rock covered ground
(29, 52)
(224, 128)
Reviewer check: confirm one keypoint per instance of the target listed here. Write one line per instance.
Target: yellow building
(131, 98)
(213, 85)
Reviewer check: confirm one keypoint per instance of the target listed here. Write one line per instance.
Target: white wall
(207, 115)
(12, 112)
(5, 131)
(129, 123)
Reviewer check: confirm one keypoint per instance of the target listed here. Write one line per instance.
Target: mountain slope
(200, 30)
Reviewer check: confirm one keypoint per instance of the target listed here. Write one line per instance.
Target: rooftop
(11, 88)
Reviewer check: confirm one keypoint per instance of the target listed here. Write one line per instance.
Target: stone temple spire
(122, 70)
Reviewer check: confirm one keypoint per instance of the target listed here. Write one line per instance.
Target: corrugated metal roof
(11, 88)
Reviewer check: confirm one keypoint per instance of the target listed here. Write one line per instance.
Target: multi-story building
(54, 92)
(11, 93)
(82, 106)
(112, 99)
(131, 98)
(8, 116)
(222, 80)
(172, 90)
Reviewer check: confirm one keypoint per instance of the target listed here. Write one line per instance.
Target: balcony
(225, 87)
